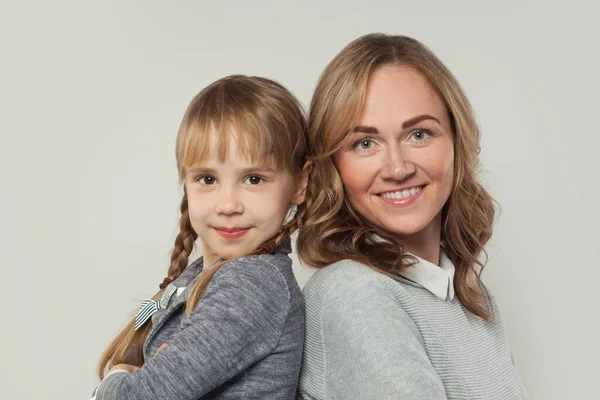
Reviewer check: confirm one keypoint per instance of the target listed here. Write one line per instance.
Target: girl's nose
(229, 204)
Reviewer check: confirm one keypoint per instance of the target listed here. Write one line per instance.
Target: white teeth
(401, 194)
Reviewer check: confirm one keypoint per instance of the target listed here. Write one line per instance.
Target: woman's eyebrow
(365, 129)
(405, 125)
(415, 120)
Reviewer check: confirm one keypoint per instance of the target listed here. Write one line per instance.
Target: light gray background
(92, 94)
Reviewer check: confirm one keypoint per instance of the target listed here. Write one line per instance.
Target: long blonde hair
(271, 125)
(332, 229)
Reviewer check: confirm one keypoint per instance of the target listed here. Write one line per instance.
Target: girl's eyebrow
(243, 171)
(196, 170)
(262, 168)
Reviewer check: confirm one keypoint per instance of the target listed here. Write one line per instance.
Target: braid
(184, 242)
(291, 226)
(127, 347)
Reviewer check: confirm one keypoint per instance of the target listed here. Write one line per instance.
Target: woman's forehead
(401, 91)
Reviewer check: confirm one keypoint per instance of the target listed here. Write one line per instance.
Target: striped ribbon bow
(149, 306)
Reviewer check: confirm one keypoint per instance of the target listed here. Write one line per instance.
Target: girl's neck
(209, 258)
(425, 243)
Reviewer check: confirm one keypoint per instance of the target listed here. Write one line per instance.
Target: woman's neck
(425, 243)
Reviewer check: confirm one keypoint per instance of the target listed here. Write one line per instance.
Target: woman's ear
(301, 183)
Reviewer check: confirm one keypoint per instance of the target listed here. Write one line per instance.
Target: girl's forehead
(235, 159)
(253, 146)
(223, 146)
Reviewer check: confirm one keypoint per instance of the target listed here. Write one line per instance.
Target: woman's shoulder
(348, 278)
(348, 269)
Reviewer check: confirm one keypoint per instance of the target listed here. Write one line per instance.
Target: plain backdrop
(92, 94)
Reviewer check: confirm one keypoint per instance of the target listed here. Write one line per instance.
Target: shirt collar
(437, 279)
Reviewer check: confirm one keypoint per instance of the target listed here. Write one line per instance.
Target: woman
(397, 220)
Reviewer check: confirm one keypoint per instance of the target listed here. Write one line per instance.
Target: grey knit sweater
(369, 336)
(242, 341)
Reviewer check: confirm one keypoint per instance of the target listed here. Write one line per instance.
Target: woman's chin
(407, 231)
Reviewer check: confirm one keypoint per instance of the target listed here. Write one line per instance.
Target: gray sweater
(242, 341)
(370, 336)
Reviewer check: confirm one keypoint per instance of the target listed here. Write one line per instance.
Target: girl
(231, 324)
(397, 218)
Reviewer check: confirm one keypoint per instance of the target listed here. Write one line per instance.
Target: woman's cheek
(356, 173)
(445, 167)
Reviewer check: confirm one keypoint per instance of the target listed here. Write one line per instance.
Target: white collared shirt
(439, 280)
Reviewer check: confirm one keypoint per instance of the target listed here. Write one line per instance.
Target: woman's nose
(396, 167)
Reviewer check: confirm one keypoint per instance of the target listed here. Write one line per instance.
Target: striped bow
(150, 306)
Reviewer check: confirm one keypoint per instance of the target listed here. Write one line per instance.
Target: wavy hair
(271, 126)
(333, 230)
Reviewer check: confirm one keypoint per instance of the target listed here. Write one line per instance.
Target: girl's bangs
(253, 139)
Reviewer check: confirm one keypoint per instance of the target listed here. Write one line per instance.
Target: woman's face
(397, 166)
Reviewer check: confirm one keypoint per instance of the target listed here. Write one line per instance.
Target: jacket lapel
(187, 279)
(190, 274)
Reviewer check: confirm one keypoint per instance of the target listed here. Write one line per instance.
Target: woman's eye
(365, 144)
(254, 180)
(207, 180)
(420, 135)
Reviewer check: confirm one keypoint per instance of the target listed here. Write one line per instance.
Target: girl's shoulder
(262, 264)
(266, 272)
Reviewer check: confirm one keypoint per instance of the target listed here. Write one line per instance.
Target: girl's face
(235, 205)
(397, 166)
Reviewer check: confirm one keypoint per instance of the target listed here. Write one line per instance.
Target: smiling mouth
(402, 194)
(231, 233)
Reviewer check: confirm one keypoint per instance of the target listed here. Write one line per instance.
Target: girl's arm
(237, 323)
(360, 344)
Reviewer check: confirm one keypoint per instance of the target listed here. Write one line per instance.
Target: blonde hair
(332, 229)
(268, 124)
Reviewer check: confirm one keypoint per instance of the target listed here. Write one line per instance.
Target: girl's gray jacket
(243, 340)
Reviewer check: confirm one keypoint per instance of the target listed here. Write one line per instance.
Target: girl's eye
(207, 180)
(254, 180)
